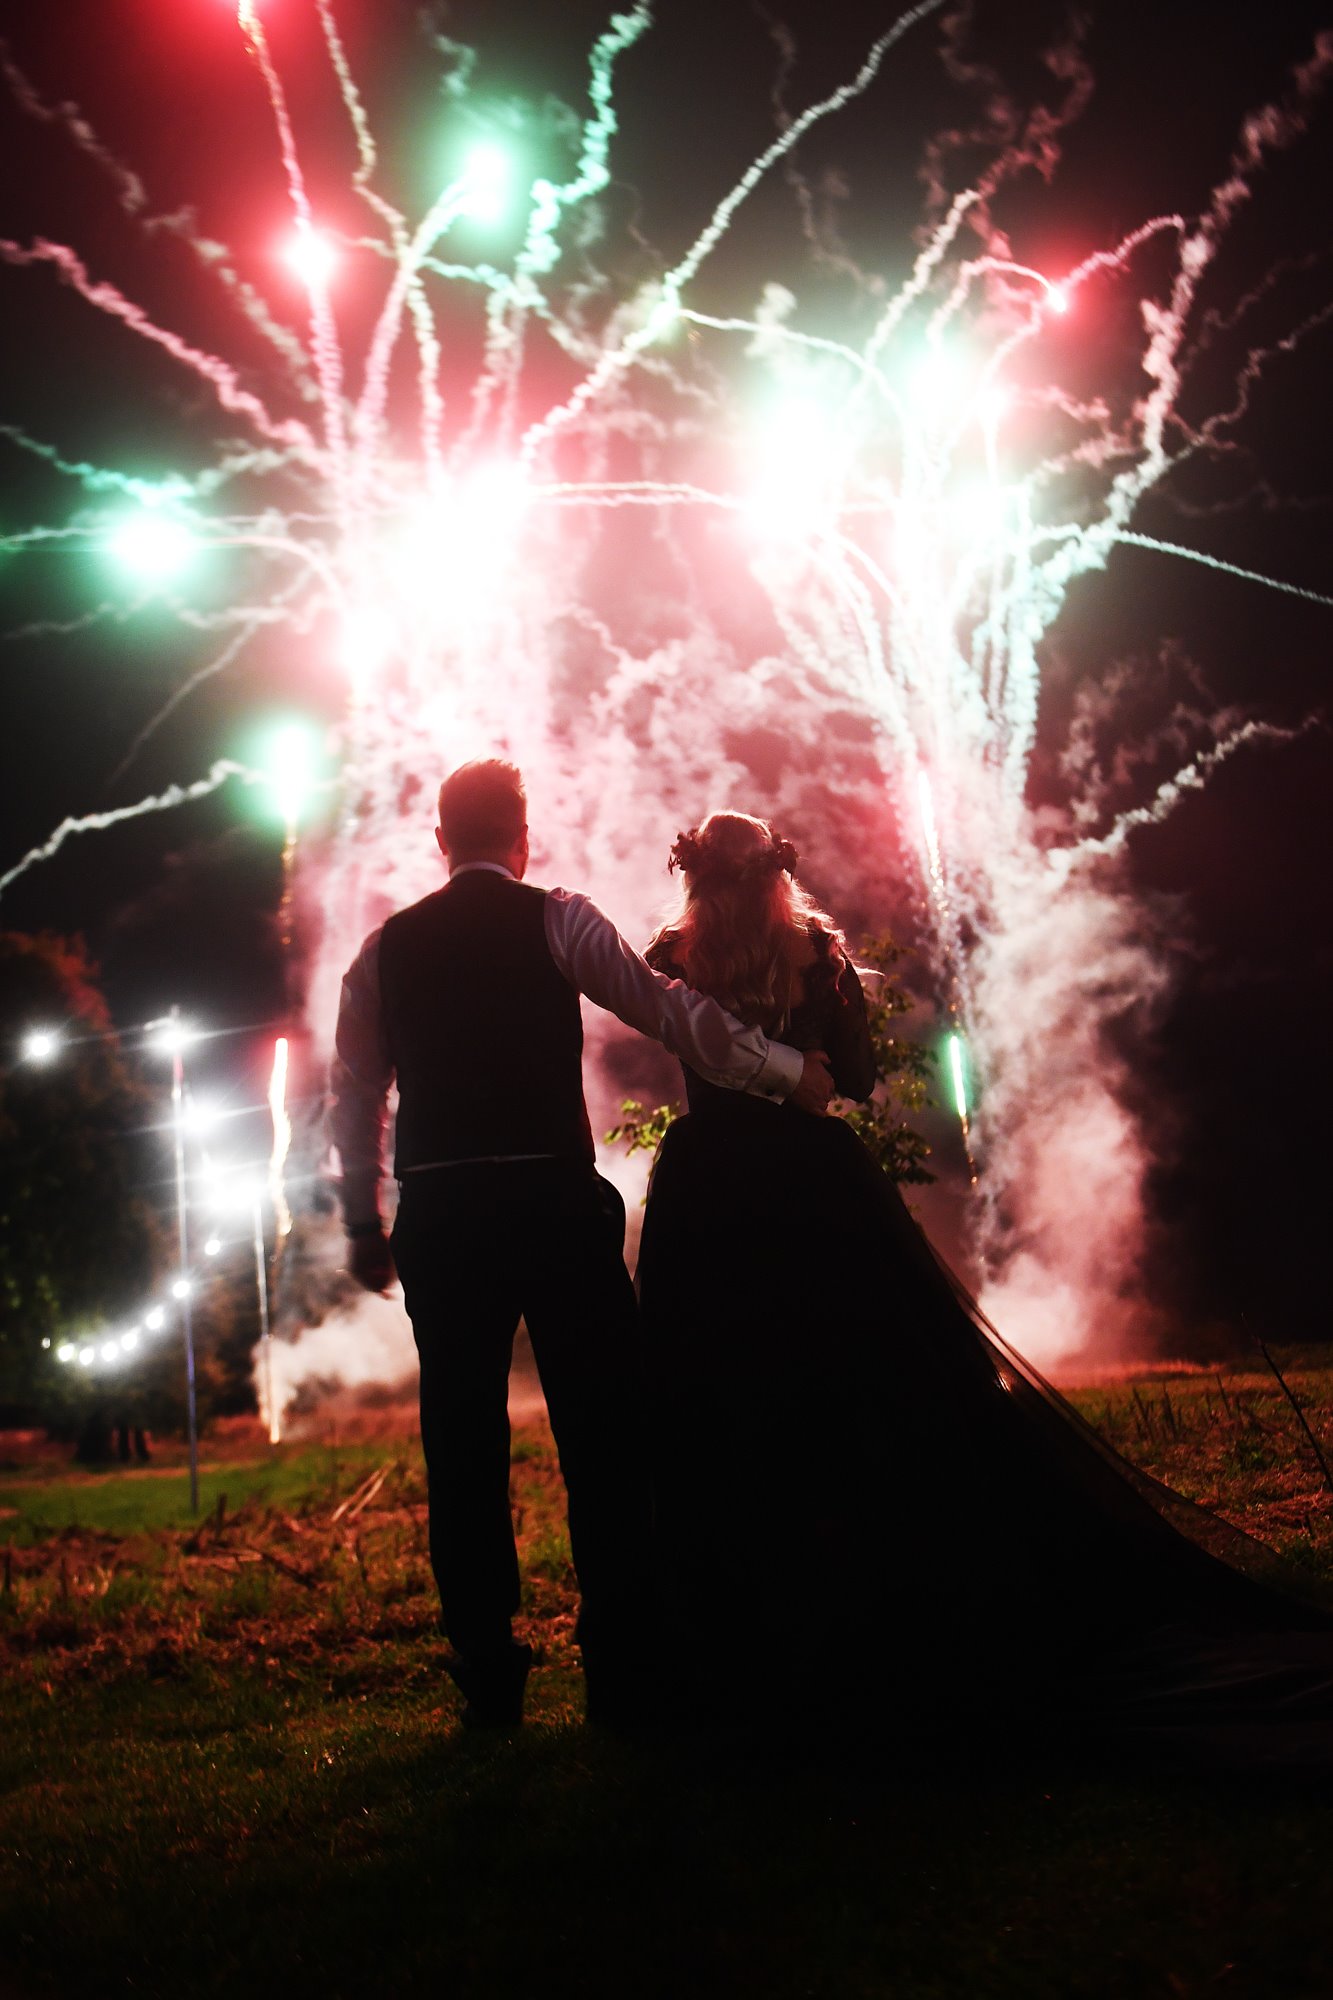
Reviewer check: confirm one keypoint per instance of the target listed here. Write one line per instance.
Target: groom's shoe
(491, 1686)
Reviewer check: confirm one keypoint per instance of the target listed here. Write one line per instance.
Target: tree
(904, 1067)
(78, 1242)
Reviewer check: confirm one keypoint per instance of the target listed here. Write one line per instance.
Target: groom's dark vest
(483, 1028)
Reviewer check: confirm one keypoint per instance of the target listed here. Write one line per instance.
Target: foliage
(641, 1131)
(78, 1241)
(903, 1066)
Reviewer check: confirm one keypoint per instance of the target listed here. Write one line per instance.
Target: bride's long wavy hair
(743, 921)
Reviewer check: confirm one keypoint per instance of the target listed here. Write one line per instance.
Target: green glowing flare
(152, 545)
(958, 1075)
(290, 765)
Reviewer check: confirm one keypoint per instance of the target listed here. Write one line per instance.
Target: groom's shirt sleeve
(593, 956)
(359, 1080)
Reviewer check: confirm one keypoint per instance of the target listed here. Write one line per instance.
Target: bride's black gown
(866, 1497)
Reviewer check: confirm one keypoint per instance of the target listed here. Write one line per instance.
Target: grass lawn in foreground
(135, 1499)
(230, 1764)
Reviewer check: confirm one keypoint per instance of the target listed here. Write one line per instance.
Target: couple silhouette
(470, 1000)
(801, 1465)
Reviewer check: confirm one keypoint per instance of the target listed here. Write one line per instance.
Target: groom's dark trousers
(478, 1245)
(471, 1000)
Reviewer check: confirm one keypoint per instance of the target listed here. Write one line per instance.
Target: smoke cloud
(1062, 1221)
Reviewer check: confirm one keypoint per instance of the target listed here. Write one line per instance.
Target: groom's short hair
(483, 808)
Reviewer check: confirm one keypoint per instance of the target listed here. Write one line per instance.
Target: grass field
(230, 1764)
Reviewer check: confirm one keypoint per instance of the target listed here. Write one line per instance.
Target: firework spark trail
(418, 305)
(247, 616)
(1226, 319)
(1019, 139)
(222, 379)
(926, 264)
(617, 359)
(838, 100)
(1270, 128)
(368, 423)
(508, 307)
(1255, 363)
(408, 270)
(1062, 296)
(174, 795)
(251, 303)
(254, 621)
(97, 478)
(1046, 584)
(324, 333)
(132, 194)
(64, 628)
(1191, 777)
(766, 332)
(367, 155)
(1130, 538)
(71, 537)
(282, 1140)
(822, 236)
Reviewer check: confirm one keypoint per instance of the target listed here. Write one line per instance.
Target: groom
(470, 999)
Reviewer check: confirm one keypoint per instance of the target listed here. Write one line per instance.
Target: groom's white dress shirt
(592, 955)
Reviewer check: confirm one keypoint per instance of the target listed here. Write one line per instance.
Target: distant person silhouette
(470, 999)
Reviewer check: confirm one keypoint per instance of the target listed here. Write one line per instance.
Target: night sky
(1232, 1074)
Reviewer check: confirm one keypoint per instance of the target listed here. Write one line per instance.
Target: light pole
(173, 1036)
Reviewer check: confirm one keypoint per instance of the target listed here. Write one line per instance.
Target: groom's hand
(815, 1088)
(369, 1259)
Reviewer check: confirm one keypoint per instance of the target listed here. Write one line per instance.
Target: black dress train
(865, 1497)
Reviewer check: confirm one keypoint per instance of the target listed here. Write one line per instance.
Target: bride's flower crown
(700, 860)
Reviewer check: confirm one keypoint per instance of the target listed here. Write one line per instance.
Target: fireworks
(282, 1138)
(957, 1079)
(915, 493)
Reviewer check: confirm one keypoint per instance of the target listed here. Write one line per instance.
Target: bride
(864, 1495)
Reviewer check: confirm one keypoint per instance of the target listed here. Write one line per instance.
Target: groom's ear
(439, 842)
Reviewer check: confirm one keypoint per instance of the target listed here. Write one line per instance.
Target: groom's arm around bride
(470, 1001)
